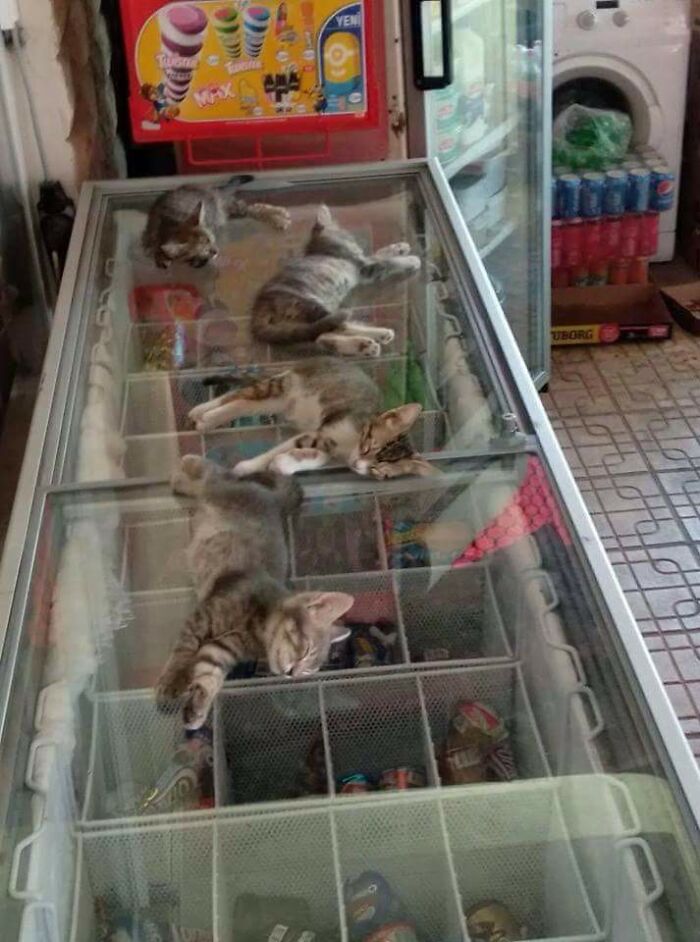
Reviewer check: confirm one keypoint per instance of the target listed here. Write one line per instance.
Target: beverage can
(617, 274)
(663, 185)
(638, 271)
(560, 277)
(572, 242)
(649, 234)
(592, 187)
(598, 272)
(491, 921)
(569, 195)
(401, 778)
(638, 185)
(629, 235)
(579, 276)
(631, 164)
(611, 234)
(557, 243)
(592, 240)
(615, 193)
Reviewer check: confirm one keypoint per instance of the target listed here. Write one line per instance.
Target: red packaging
(572, 233)
(631, 228)
(598, 272)
(592, 240)
(560, 278)
(557, 243)
(611, 233)
(619, 269)
(167, 302)
(649, 234)
(638, 272)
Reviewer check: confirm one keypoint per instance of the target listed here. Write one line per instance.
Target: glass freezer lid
(301, 795)
(151, 342)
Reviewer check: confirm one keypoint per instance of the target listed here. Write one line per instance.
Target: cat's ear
(323, 216)
(399, 420)
(325, 607)
(196, 217)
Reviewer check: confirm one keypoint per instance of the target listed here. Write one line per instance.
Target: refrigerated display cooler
(503, 630)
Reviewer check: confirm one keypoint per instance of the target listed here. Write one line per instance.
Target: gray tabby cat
(339, 405)
(184, 223)
(239, 563)
(303, 301)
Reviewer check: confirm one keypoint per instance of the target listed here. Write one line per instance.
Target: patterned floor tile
(628, 418)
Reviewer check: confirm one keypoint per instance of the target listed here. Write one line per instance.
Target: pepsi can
(592, 187)
(568, 195)
(638, 185)
(615, 194)
(663, 184)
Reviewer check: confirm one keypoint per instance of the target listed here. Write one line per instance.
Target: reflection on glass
(478, 673)
(162, 343)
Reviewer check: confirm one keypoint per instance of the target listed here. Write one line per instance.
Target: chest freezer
(486, 622)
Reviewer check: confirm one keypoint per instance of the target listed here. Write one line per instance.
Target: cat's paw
(193, 466)
(280, 218)
(244, 468)
(366, 347)
(198, 411)
(411, 263)
(398, 248)
(195, 709)
(300, 459)
(209, 421)
(169, 692)
(385, 335)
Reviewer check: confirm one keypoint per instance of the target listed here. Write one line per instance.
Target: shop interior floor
(628, 418)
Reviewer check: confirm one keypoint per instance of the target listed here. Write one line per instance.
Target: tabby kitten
(184, 223)
(239, 563)
(303, 301)
(338, 405)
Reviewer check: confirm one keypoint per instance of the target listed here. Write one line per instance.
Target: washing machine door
(604, 81)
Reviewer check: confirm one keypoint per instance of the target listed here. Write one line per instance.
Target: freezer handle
(431, 30)
(657, 886)
(14, 888)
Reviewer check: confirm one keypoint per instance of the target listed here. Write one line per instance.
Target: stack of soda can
(605, 225)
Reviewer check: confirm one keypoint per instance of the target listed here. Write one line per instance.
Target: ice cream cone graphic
(256, 21)
(182, 30)
(229, 28)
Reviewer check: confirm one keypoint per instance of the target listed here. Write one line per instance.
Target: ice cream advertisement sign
(215, 67)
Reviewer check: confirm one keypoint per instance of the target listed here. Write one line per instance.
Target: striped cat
(184, 224)
(239, 563)
(303, 301)
(336, 407)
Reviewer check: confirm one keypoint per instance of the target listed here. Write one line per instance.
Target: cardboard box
(684, 303)
(608, 314)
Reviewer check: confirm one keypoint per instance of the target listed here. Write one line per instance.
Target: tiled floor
(628, 418)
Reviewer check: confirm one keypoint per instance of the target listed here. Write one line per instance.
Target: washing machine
(631, 55)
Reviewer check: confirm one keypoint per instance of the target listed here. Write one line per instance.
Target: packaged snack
(477, 747)
(272, 919)
(370, 903)
(356, 783)
(491, 921)
(401, 778)
(394, 932)
(178, 302)
(372, 645)
(188, 781)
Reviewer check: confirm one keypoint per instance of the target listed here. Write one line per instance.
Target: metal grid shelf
(440, 853)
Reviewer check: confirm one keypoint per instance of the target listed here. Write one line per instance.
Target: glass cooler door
(485, 66)
(489, 754)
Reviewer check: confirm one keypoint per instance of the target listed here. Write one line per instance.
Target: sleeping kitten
(303, 301)
(338, 404)
(184, 223)
(239, 563)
